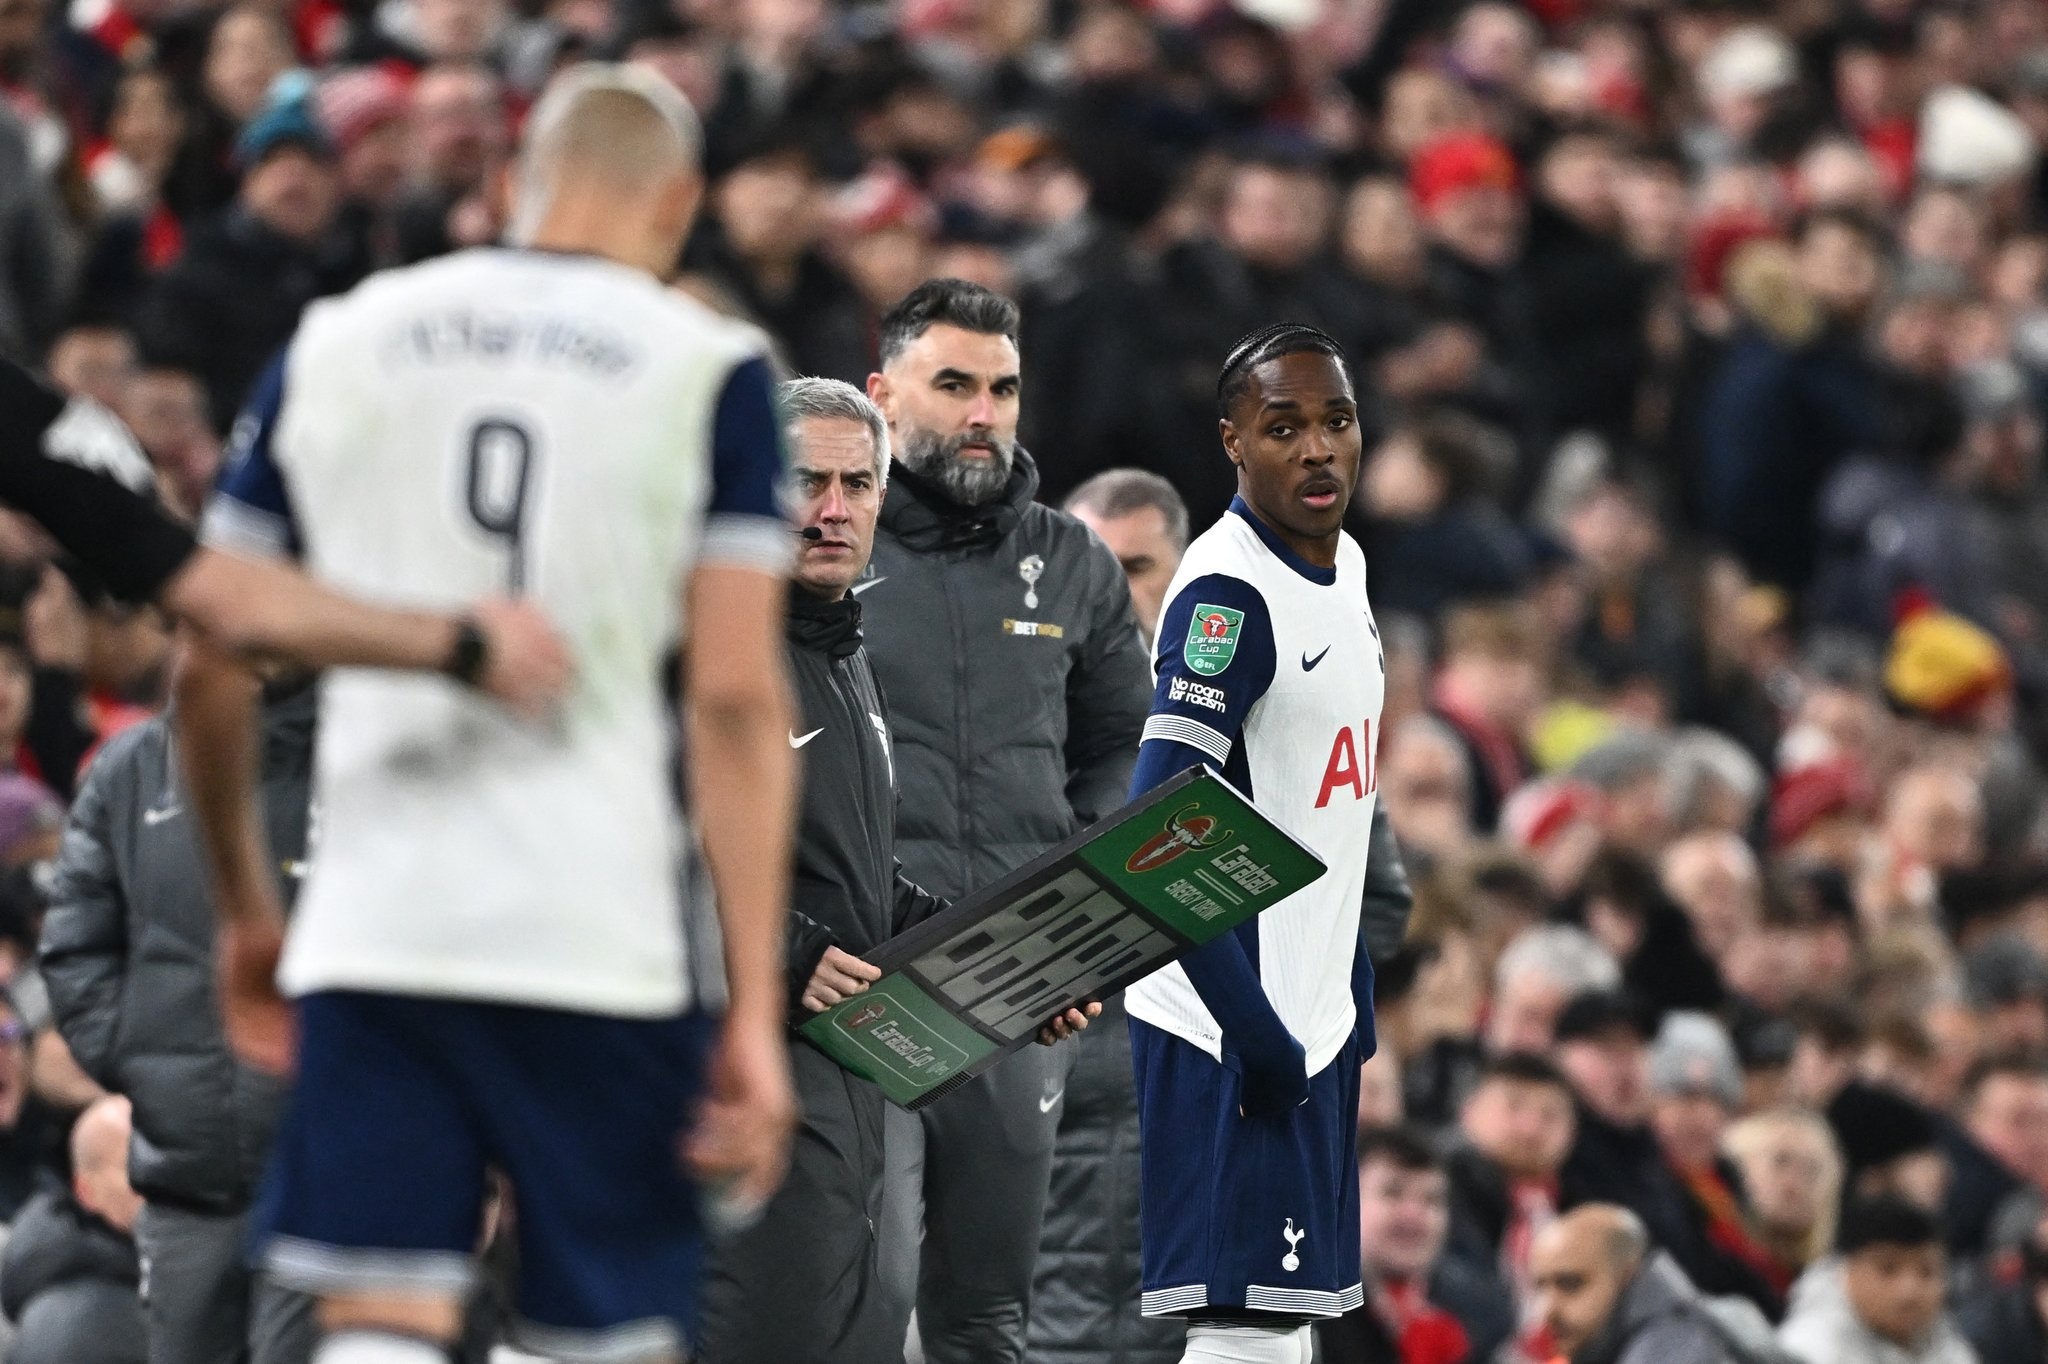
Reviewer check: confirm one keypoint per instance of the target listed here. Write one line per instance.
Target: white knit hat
(1968, 138)
(1751, 60)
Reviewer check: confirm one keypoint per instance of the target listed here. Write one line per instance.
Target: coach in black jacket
(1003, 632)
(800, 1286)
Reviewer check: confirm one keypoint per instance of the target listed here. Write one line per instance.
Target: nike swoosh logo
(1045, 1104)
(798, 741)
(152, 818)
(1308, 665)
(861, 587)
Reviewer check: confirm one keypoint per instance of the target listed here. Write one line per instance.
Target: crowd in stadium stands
(1704, 350)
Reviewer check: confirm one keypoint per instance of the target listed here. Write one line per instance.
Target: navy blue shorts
(1236, 1212)
(376, 1184)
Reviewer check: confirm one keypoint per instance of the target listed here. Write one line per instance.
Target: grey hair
(1571, 957)
(539, 147)
(1120, 492)
(1699, 758)
(1622, 760)
(805, 398)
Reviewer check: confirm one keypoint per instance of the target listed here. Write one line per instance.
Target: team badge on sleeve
(1212, 639)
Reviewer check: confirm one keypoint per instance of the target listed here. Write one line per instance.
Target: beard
(971, 482)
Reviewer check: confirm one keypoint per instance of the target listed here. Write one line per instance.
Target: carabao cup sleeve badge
(1212, 639)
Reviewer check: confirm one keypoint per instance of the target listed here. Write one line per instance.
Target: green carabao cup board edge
(1168, 872)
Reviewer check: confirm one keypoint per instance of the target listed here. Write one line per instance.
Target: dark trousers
(802, 1285)
(967, 1186)
(201, 1302)
(1084, 1305)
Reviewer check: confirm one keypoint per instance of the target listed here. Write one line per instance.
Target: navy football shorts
(402, 1103)
(1244, 1213)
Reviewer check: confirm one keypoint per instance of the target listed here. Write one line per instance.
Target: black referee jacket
(848, 890)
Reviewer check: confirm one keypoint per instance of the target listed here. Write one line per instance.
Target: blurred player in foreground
(1247, 1051)
(488, 957)
(72, 465)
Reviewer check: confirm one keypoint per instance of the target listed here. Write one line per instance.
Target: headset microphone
(811, 533)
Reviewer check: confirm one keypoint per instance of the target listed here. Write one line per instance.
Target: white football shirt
(1270, 668)
(497, 421)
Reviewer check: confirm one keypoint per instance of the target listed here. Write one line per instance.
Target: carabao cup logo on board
(1185, 830)
(871, 1012)
(1212, 639)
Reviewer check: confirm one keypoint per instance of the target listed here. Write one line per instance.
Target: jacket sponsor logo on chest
(1033, 629)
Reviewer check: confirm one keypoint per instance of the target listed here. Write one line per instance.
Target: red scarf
(1498, 752)
(1727, 1228)
(1423, 1332)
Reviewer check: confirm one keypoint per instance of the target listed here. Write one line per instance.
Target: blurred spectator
(1890, 1147)
(34, 256)
(68, 1279)
(1085, 291)
(1427, 788)
(1586, 286)
(1715, 880)
(1414, 351)
(138, 231)
(1513, 1134)
(1432, 531)
(1262, 258)
(1742, 80)
(1379, 1090)
(1794, 393)
(1791, 1175)
(1488, 688)
(144, 129)
(1607, 1295)
(1469, 193)
(2004, 1113)
(1696, 1091)
(1420, 1307)
(233, 299)
(2006, 983)
(31, 821)
(1145, 524)
(249, 49)
(31, 1142)
(1933, 823)
(459, 134)
(95, 362)
(127, 956)
(1603, 1050)
(1882, 1299)
(1557, 822)
(2009, 1320)
(1713, 784)
(166, 409)
(367, 113)
(769, 216)
(1625, 909)
(1539, 974)
(1633, 641)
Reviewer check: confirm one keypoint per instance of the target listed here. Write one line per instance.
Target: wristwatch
(468, 654)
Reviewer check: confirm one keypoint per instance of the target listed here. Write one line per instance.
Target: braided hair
(1268, 343)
